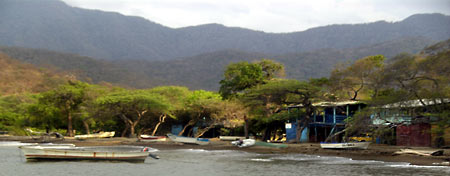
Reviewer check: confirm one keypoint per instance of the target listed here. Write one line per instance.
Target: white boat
(188, 140)
(149, 138)
(345, 145)
(231, 138)
(244, 143)
(96, 135)
(71, 152)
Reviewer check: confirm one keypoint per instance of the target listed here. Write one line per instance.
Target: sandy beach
(379, 152)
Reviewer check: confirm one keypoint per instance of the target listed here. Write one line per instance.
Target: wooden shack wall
(414, 135)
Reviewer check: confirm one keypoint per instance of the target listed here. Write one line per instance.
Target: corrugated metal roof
(415, 103)
(331, 103)
(341, 103)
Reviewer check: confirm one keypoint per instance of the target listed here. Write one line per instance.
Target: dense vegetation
(251, 100)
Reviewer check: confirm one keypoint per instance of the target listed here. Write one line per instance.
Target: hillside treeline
(252, 99)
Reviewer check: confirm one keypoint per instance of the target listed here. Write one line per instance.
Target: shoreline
(377, 152)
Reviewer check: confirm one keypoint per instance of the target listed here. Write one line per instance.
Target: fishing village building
(409, 121)
(329, 118)
(413, 125)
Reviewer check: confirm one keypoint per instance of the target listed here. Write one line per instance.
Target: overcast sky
(267, 15)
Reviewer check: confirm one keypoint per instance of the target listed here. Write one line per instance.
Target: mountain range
(131, 51)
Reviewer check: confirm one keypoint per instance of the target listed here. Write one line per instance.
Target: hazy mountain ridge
(51, 24)
(206, 70)
(84, 68)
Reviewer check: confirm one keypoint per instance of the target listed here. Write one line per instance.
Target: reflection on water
(219, 162)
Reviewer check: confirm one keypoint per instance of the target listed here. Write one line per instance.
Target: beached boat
(231, 138)
(149, 138)
(345, 145)
(273, 145)
(252, 142)
(244, 143)
(96, 135)
(188, 140)
(71, 152)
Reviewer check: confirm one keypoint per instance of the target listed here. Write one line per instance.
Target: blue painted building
(329, 118)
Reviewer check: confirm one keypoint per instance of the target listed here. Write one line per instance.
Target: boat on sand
(252, 142)
(345, 145)
(71, 152)
(244, 143)
(231, 138)
(109, 134)
(188, 140)
(149, 138)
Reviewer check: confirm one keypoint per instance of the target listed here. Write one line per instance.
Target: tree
(90, 113)
(177, 97)
(403, 79)
(229, 113)
(13, 111)
(361, 74)
(270, 98)
(426, 79)
(242, 75)
(132, 105)
(200, 104)
(271, 69)
(67, 99)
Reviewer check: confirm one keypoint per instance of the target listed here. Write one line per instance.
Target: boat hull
(148, 138)
(80, 153)
(231, 138)
(244, 143)
(188, 140)
(96, 135)
(346, 145)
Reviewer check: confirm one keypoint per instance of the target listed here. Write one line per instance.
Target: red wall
(414, 135)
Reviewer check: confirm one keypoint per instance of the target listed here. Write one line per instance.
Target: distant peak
(209, 25)
(425, 16)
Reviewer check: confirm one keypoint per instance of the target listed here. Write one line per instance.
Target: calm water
(201, 162)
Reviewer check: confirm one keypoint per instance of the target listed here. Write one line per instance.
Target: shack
(328, 118)
(413, 121)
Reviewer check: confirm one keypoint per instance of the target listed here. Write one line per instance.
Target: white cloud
(267, 15)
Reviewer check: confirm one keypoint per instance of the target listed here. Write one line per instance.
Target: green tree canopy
(67, 99)
(242, 75)
(270, 98)
(361, 75)
(132, 105)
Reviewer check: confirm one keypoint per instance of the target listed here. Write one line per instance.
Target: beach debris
(420, 152)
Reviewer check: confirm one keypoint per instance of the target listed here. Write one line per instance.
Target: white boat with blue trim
(345, 145)
(188, 140)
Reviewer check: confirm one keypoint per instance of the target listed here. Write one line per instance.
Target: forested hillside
(84, 68)
(17, 77)
(53, 25)
(203, 71)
